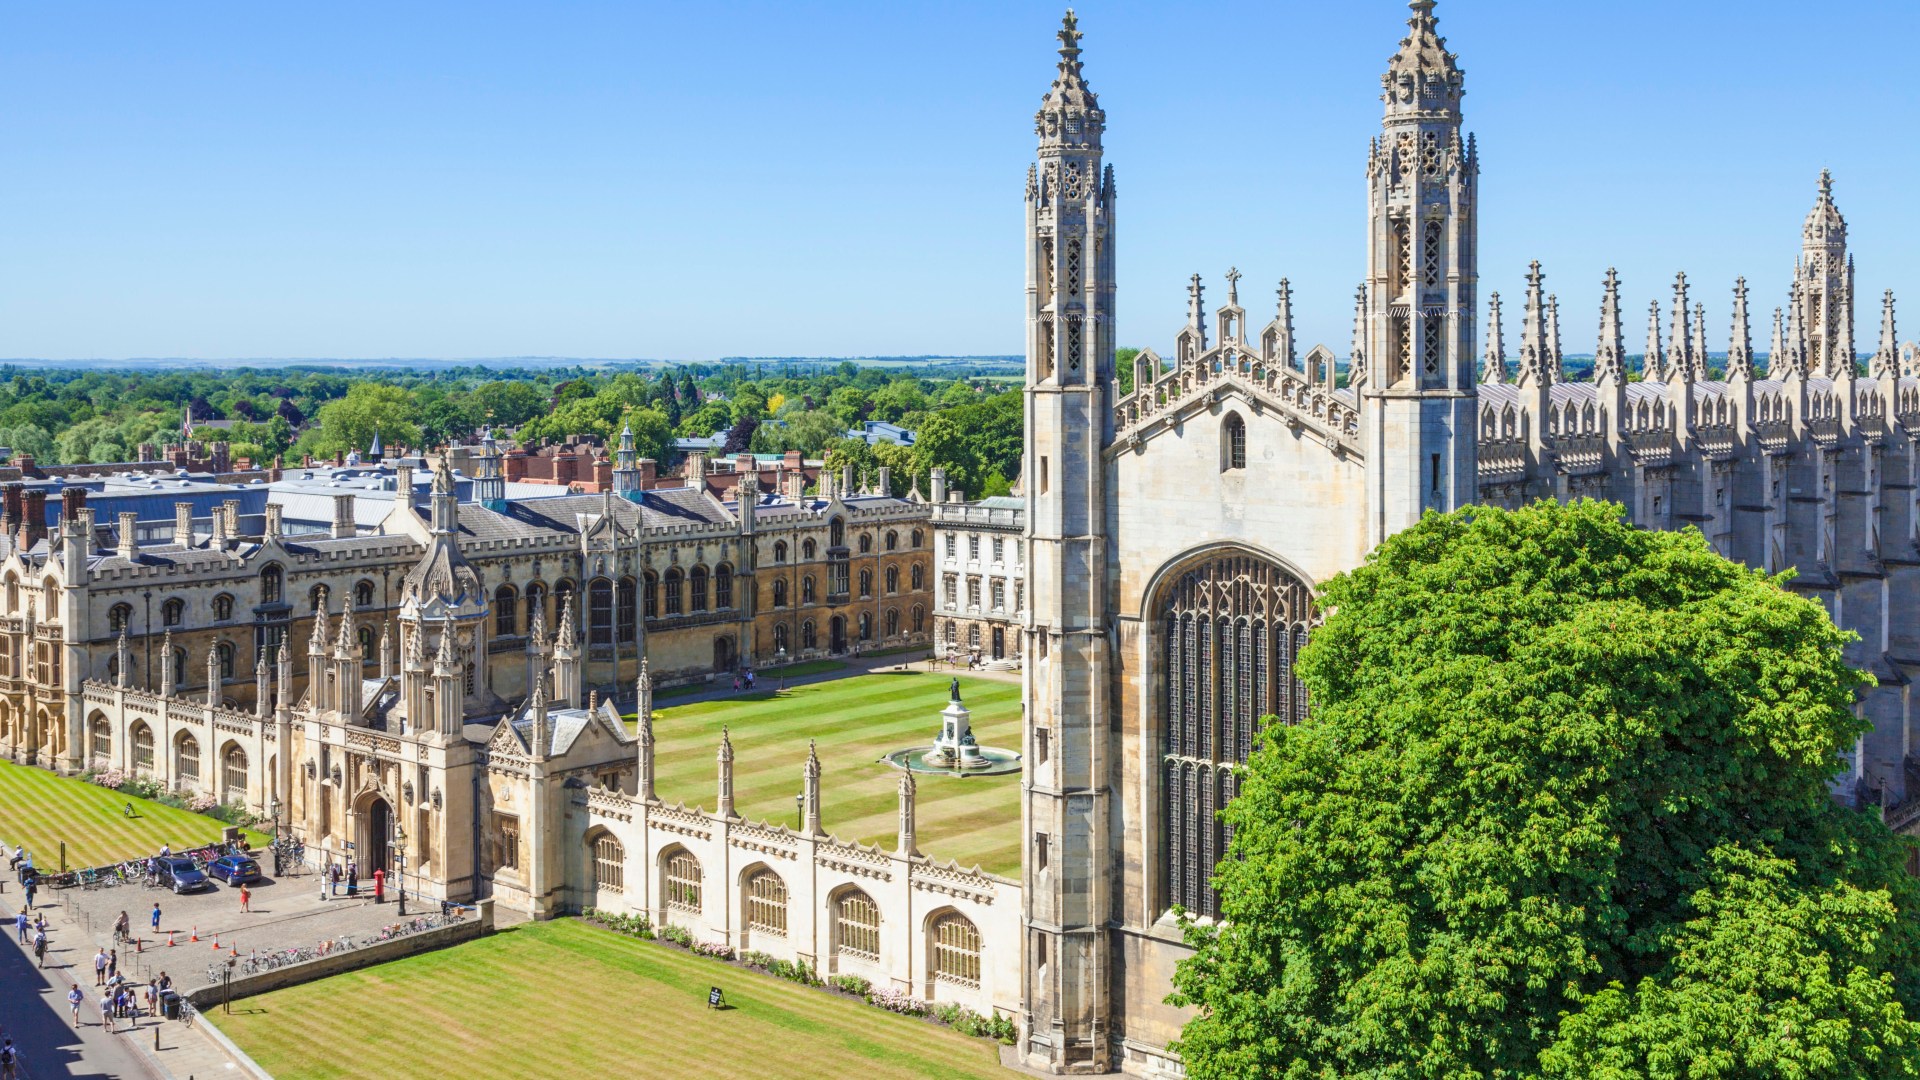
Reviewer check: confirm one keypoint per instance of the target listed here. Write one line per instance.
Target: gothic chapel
(1177, 533)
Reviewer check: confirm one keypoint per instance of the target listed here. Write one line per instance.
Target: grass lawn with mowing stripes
(855, 721)
(38, 810)
(567, 999)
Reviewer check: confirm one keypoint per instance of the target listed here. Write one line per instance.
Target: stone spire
(643, 731)
(1495, 370)
(1650, 366)
(417, 650)
(1794, 352)
(1740, 340)
(386, 650)
(810, 793)
(1777, 350)
(1886, 359)
(262, 690)
(537, 738)
(345, 644)
(213, 675)
(724, 795)
(907, 846)
(1196, 308)
(1534, 370)
(1069, 97)
(317, 643)
(1679, 362)
(283, 674)
(1699, 349)
(566, 660)
(1610, 354)
(445, 663)
(1423, 77)
(166, 665)
(1358, 373)
(1556, 360)
(1284, 350)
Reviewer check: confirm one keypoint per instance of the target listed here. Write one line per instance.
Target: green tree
(898, 398)
(507, 402)
(349, 423)
(1123, 358)
(1537, 740)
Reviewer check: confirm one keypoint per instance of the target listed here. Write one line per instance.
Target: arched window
(893, 622)
(1233, 443)
(233, 776)
(609, 862)
(671, 586)
(367, 646)
(780, 592)
(363, 595)
(780, 642)
(600, 612)
(916, 538)
(506, 611)
(893, 540)
(179, 667)
(866, 626)
(650, 601)
(224, 651)
(866, 583)
(1226, 627)
(856, 925)
(767, 904)
(625, 607)
(172, 611)
(837, 533)
(222, 608)
(956, 950)
(272, 580)
(893, 580)
(683, 882)
(918, 575)
(808, 639)
(866, 543)
(779, 551)
(919, 618)
(697, 587)
(13, 593)
(723, 587)
(186, 759)
(120, 617)
(100, 741)
(142, 750)
(536, 603)
(806, 589)
(807, 550)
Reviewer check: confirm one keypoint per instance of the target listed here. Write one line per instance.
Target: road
(34, 1014)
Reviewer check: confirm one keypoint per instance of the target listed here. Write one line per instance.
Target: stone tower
(1070, 294)
(1824, 281)
(1417, 392)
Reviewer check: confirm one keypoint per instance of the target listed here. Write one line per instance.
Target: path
(33, 1011)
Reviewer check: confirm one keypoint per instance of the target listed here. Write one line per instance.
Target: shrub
(850, 984)
(713, 949)
(142, 789)
(108, 778)
(678, 935)
(202, 803)
(898, 1001)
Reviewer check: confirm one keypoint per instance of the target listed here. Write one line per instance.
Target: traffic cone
(169, 939)
(196, 934)
(216, 941)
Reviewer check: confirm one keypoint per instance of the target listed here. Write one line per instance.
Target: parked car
(180, 875)
(234, 869)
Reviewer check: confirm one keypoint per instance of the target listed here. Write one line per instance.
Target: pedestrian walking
(246, 897)
(40, 948)
(9, 1061)
(122, 928)
(156, 918)
(106, 1011)
(333, 874)
(113, 964)
(74, 998)
(32, 884)
(20, 925)
(100, 968)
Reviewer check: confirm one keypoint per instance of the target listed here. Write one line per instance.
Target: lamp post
(780, 657)
(400, 860)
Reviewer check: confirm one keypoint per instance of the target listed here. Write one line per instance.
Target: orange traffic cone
(216, 941)
(195, 935)
(169, 939)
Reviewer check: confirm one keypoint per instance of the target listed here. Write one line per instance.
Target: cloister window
(683, 882)
(956, 950)
(142, 750)
(172, 611)
(100, 741)
(609, 863)
(506, 605)
(233, 776)
(186, 759)
(767, 904)
(856, 928)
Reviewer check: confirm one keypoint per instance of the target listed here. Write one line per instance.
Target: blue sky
(689, 181)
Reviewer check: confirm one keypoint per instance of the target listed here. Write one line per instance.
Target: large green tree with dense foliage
(1561, 808)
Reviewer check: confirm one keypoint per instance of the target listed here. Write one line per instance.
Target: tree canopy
(1561, 808)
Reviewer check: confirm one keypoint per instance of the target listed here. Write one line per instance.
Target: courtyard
(854, 722)
(40, 810)
(540, 1000)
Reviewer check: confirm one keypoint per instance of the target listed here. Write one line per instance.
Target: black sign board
(715, 1000)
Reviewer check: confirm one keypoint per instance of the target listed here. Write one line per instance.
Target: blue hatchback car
(234, 869)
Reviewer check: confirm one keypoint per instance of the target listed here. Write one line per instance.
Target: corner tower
(1418, 392)
(1824, 280)
(1065, 788)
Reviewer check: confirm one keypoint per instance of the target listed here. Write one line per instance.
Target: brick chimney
(603, 472)
(183, 524)
(649, 473)
(72, 500)
(33, 518)
(744, 463)
(12, 506)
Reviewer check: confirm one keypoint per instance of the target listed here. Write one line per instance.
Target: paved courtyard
(287, 912)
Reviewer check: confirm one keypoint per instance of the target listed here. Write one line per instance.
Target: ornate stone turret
(539, 740)
(213, 675)
(537, 646)
(1278, 342)
(566, 660)
(1652, 366)
(121, 661)
(347, 667)
(626, 472)
(1534, 370)
(168, 684)
(724, 796)
(1495, 368)
(262, 684)
(810, 793)
(1824, 280)
(1610, 352)
(1679, 359)
(318, 699)
(643, 731)
(1740, 339)
(907, 845)
(448, 695)
(1886, 358)
(386, 650)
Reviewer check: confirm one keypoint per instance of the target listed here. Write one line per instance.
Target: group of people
(120, 998)
(743, 680)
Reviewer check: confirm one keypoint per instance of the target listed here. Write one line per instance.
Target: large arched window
(1229, 623)
(186, 759)
(142, 749)
(856, 925)
(722, 587)
(670, 585)
(956, 950)
(625, 620)
(100, 741)
(222, 608)
(1233, 443)
(650, 600)
(233, 775)
(363, 595)
(767, 903)
(272, 581)
(506, 611)
(697, 588)
(681, 879)
(600, 612)
(609, 862)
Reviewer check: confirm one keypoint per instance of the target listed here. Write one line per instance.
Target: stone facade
(1176, 533)
(980, 565)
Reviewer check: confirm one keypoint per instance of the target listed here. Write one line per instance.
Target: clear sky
(690, 181)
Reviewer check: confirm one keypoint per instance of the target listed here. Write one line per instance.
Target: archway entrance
(999, 643)
(377, 847)
(722, 655)
(838, 635)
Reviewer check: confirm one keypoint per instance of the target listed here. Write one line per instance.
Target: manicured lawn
(567, 999)
(39, 810)
(855, 721)
(766, 676)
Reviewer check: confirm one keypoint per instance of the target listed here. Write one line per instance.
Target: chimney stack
(403, 484)
(72, 500)
(343, 515)
(128, 546)
(12, 508)
(183, 524)
(697, 471)
(33, 519)
(939, 482)
(275, 521)
(233, 518)
(796, 485)
(886, 481)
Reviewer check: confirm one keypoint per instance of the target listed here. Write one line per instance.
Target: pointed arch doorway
(376, 839)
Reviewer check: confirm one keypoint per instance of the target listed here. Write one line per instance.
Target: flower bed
(200, 803)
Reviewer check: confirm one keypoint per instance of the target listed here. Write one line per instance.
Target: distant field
(855, 721)
(566, 999)
(39, 810)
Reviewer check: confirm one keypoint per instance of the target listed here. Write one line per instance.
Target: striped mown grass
(567, 999)
(39, 810)
(855, 721)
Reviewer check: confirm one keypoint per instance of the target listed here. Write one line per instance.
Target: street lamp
(400, 859)
(780, 657)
